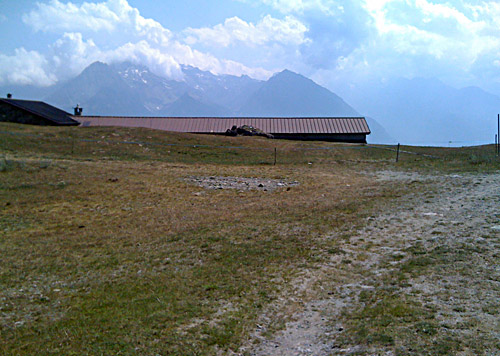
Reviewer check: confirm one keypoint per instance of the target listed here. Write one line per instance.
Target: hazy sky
(457, 41)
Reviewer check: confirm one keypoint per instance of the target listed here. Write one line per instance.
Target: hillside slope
(291, 94)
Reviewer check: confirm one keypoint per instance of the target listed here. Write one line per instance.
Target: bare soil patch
(240, 183)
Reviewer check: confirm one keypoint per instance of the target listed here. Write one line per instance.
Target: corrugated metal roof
(43, 110)
(288, 125)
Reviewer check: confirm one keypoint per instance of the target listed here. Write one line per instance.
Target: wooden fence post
(498, 135)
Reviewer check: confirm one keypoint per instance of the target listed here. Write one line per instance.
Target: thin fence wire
(405, 151)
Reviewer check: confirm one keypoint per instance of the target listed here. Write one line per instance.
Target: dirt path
(438, 253)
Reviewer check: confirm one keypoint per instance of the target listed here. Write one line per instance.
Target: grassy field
(106, 249)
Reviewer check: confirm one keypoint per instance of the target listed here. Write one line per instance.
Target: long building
(338, 129)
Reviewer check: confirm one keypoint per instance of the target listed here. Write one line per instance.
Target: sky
(333, 42)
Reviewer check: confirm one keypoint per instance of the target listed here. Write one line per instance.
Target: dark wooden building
(34, 113)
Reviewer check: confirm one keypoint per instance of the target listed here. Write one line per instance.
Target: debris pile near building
(246, 130)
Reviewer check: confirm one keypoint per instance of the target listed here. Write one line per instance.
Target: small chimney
(78, 110)
(9, 96)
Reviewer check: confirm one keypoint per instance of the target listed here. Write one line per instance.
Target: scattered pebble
(432, 214)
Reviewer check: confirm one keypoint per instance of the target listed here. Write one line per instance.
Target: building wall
(9, 113)
(350, 138)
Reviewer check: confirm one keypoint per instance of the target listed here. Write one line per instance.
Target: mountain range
(129, 89)
(414, 111)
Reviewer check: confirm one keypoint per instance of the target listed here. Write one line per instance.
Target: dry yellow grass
(107, 249)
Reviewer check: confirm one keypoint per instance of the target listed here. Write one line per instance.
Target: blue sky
(334, 42)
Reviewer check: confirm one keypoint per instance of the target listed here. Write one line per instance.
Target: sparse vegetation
(106, 248)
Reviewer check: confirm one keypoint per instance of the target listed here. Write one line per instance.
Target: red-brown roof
(282, 125)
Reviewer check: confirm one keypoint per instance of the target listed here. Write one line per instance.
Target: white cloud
(327, 7)
(457, 41)
(420, 37)
(287, 31)
(115, 19)
(113, 31)
(71, 54)
(56, 16)
(25, 68)
(143, 53)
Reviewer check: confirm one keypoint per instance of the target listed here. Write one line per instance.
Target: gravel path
(461, 216)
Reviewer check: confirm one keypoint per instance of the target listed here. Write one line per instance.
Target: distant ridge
(291, 94)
